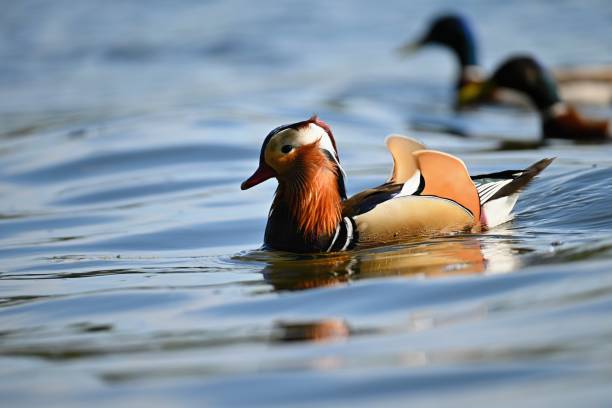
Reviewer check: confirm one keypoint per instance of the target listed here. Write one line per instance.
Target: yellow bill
(474, 92)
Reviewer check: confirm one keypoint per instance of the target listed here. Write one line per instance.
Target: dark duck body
(429, 192)
(579, 85)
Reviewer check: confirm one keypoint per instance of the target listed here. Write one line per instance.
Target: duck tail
(498, 192)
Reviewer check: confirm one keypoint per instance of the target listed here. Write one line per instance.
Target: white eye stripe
(303, 136)
(313, 132)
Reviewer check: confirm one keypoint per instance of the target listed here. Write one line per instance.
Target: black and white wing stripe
(345, 236)
(488, 185)
(488, 190)
(497, 195)
(498, 192)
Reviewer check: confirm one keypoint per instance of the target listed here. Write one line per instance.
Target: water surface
(130, 272)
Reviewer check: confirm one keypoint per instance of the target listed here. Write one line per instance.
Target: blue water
(130, 273)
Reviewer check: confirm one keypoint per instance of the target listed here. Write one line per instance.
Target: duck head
(523, 74)
(296, 147)
(307, 205)
(452, 31)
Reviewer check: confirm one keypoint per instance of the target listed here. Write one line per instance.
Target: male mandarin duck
(559, 120)
(428, 192)
(580, 85)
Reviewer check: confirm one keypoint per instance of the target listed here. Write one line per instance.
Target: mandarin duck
(428, 192)
(559, 120)
(580, 85)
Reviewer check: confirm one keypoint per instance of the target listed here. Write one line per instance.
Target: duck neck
(465, 50)
(307, 206)
(469, 74)
(464, 47)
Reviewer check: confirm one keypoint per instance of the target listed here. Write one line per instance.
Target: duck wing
(428, 192)
(404, 180)
(404, 164)
(429, 172)
(417, 171)
(447, 177)
(498, 192)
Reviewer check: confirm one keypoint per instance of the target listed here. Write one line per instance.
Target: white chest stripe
(333, 241)
(349, 233)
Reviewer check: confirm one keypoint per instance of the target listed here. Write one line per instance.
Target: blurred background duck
(429, 192)
(578, 85)
(559, 120)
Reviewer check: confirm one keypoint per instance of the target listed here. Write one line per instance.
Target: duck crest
(311, 193)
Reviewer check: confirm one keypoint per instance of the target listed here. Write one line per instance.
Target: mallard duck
(559, 120)
(579, 85)
(428, 192)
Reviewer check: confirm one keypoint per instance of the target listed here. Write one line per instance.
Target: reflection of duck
(577, 85)
(428, 192)
(317, 331)
(463, 255)
(559, 120)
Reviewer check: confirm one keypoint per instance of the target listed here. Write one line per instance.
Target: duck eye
(286, 148)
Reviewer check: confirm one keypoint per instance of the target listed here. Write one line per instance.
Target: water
(130, 271)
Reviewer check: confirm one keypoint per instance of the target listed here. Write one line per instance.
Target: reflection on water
(129, 274)
(324, 330)
(430, 258)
